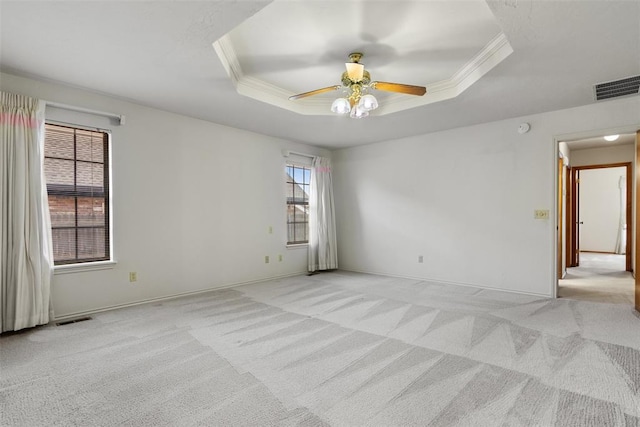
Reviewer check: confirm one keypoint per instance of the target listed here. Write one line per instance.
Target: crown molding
(227, 54)
(496, 51)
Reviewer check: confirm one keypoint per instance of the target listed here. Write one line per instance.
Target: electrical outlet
(270, 230)
(280, 258)
(133, 276)
(266, 259)
(541, 214)
(420, 258)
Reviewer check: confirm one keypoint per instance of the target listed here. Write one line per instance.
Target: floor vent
(67, 322)
(617, 88)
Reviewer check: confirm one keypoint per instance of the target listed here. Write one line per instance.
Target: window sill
(298, 246)
(79, 268)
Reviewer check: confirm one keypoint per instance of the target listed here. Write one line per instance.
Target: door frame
(573, 219)
(635, 192)
(574, 243)
(560, 211)
(568, 205)
(637, 213)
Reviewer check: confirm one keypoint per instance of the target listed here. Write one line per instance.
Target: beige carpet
(599, 278)
(332, 349)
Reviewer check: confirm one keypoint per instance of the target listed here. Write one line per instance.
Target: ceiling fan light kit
(341, 106)
(368, 102)
(358, 113)
(356, 81)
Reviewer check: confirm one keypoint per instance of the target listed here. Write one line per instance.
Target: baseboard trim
(250, 282)
(170, 297)
(446, 282)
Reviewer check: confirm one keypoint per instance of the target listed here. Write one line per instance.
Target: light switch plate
(541, 214)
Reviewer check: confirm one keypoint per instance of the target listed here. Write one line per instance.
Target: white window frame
(111, 262)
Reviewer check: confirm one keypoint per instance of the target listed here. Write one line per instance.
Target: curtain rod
(286, 153)
(119, 117)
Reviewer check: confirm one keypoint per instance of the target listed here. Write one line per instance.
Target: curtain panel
(621, 240)
(323, 253)
(26, 259)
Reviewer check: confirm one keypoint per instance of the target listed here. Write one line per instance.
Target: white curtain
(323, 253)
(26, 261)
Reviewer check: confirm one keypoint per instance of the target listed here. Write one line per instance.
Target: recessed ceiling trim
(256, 88)
(491, 55)
(265, 92)
(229, 58)
(496, 51)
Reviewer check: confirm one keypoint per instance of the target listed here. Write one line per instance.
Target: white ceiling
(159, 53)
(446, 46)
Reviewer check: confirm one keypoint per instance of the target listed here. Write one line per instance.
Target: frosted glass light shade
(341, 106)
(611, 138)
(355, 71)
(358, 113)
(368, 103)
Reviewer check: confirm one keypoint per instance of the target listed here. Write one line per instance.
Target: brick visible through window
(77, 174)
(297, 187)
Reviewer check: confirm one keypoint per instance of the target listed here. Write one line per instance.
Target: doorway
(595, 240)
(599, 212)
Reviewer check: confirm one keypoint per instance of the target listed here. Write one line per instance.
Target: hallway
(599, 278)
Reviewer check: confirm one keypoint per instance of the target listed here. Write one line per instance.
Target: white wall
(600, 208)
(603, 155)
(464, 199)
(192, 200)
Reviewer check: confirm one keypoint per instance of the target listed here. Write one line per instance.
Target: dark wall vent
(79, 319)
(617, 88)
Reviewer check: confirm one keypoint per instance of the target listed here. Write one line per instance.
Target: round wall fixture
(524, 128)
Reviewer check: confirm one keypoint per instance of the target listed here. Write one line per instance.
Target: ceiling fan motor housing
(355, 57)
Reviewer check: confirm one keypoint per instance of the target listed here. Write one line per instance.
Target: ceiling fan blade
(400, 88)
(314, 92)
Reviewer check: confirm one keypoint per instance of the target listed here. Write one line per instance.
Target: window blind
(77, 174)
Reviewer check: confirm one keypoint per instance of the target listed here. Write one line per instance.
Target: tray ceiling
(159, 53)
(293, 46)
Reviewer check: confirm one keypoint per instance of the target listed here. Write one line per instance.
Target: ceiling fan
(356, 81)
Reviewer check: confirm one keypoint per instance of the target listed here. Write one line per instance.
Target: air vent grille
(617, 88)
(68, 322)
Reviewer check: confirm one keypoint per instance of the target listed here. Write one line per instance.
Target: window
(76, 167)
(297, 182)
